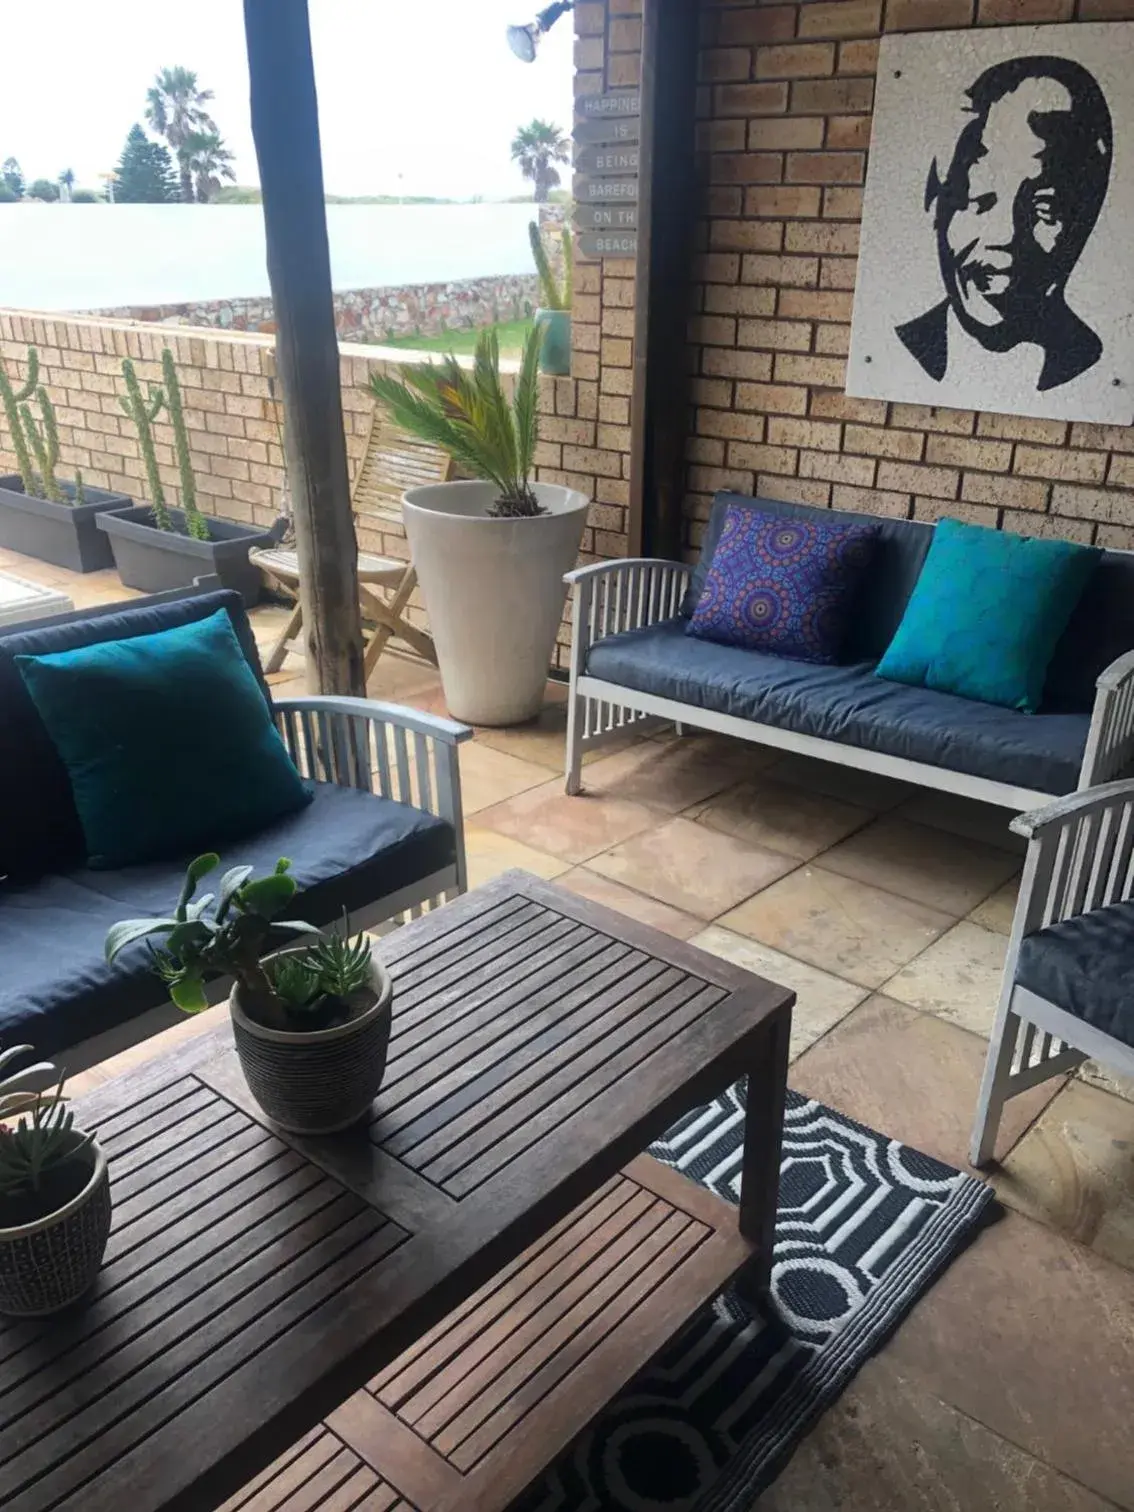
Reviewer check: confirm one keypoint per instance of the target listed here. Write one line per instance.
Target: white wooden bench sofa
(631, 662)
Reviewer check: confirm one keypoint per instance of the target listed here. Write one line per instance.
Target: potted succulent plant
(156, 547)
(490, 554)
(54, 1194)
(311, 1023)
(554, 313)
(40, 515)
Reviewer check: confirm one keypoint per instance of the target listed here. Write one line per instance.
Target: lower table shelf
(473, 1412)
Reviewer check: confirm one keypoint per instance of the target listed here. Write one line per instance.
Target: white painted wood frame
(1080, 858)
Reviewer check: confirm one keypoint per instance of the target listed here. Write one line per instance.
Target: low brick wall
(231, 411)
(365, 314)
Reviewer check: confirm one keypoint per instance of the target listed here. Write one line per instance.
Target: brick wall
(785, 101)
(230, 411)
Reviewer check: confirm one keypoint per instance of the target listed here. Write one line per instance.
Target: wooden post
(285, 126)
(667, 212)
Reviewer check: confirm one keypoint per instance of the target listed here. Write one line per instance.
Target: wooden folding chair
(391, 463)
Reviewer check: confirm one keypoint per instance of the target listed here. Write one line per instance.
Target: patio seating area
(886, 909)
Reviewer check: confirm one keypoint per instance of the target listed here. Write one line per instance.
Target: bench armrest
(1110, 741)
(382, 748)
(610, 597)
(1080, 854)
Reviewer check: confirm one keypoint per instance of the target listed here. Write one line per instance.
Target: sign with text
(611, 129)
(606, 191)
(608, 243)
(613, 158)
(622, 102)
(607, 217)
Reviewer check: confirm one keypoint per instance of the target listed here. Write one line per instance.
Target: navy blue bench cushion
(848, 704)
(880, 601)
(39, 828)
(1099, 631)
(1086, 967)
(347, 849)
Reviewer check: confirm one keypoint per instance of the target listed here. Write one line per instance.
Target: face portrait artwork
(990, 275)
(1013, 213)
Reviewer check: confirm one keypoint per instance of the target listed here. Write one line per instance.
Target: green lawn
(510, 334)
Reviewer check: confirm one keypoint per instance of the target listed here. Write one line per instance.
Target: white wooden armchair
(1068, 990)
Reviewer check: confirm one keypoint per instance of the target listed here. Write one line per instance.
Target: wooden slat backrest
(391, 463)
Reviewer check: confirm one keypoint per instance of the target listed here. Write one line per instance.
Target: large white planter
(494, 592)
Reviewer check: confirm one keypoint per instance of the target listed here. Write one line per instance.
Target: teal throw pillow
(986, 614)
(167, 740)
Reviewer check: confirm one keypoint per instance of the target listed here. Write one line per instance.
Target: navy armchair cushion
(347, 848)
(1086, 967)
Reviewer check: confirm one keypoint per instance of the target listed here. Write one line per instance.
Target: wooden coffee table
(482, 1267)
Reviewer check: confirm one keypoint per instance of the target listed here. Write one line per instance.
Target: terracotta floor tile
(987, 822)
(490, 776)
(1075, 1171)
(796, 820)
(997, 912)
(931, 866)
(957, 978)
(544, 740)
(672, 776)
(856, 931)
(1096, 1075)
(647, 910)
(889, 1446)
(691, 867)
(574, 828)
(822, 1000)
(1033, 1336)
(912, 1075)
(490, 853)
(851, 783)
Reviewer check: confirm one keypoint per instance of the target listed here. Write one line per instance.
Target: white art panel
(996, 270)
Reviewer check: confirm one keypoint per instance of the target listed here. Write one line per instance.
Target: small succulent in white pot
(54, 1194)
(311, 1023)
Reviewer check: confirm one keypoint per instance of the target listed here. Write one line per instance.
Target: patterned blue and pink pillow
(782, 584)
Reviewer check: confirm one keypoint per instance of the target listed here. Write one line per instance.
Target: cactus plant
(12, 398)
(195, 522)
(554, 297)
(143, 412)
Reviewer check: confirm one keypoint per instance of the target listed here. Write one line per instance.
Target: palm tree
(176, 111)
(66, 185)
(536, 147)
(209, 162)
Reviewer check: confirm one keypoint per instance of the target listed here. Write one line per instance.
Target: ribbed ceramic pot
(321, 1082)
(47, 1265)
(494, 592)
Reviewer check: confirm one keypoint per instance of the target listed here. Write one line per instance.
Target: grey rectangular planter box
(156, 560)
(64, 534)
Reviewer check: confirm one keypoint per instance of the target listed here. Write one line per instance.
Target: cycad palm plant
(467, 413)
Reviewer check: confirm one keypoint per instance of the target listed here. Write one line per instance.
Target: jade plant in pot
(54, 1194)
(491, 552)
(311, 1023)
(41, 515)
(158, 547)
(554, 312)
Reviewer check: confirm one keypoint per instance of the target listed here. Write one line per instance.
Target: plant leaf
(127, 931)
(299, 926)
(267, 895)
(230, 884)
(188, 993)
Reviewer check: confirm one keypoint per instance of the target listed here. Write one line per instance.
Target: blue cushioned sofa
(631, 661)
(382, 836)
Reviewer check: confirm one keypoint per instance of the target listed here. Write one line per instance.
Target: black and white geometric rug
(865, 1226)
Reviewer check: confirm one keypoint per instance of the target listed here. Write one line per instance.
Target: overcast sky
(417, 98)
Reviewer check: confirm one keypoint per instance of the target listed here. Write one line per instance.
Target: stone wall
(785, 108)
(366, 314)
